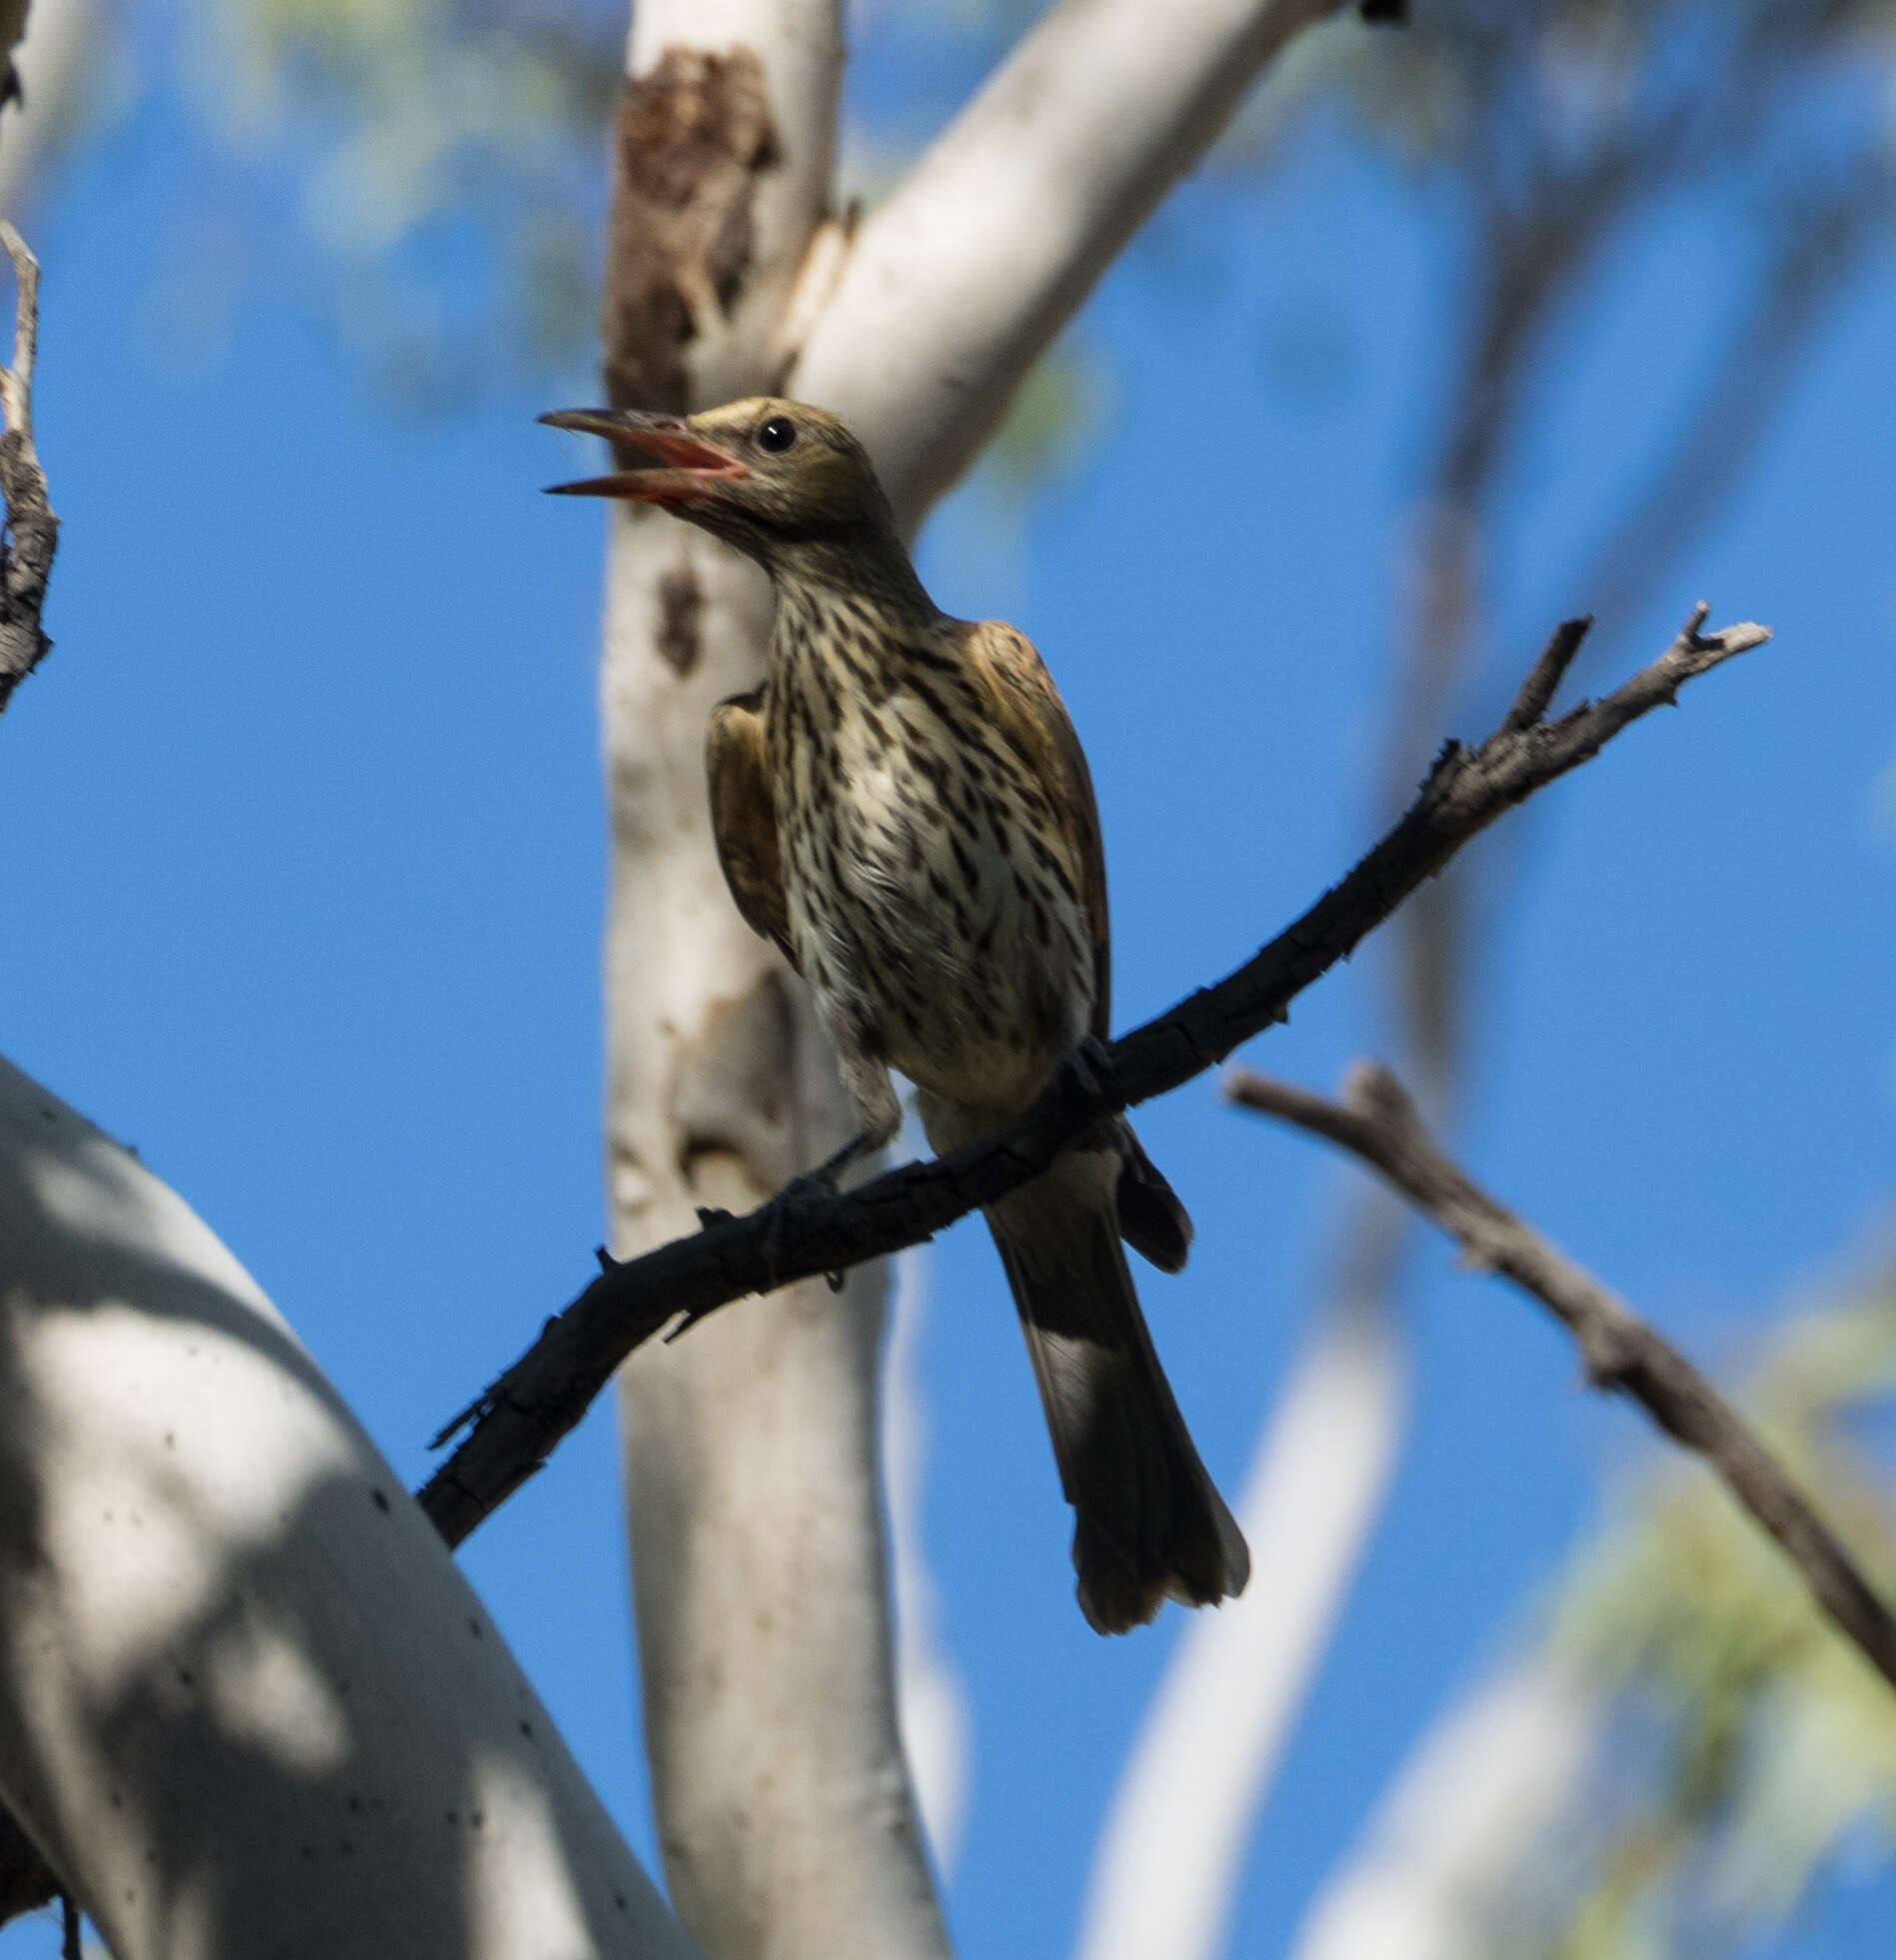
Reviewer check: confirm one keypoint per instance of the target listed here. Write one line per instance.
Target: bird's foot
(816, 1189)
(828, 1176)
(1087, 1072)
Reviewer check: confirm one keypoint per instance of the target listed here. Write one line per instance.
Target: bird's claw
(817, 1187)
(1087, 1070)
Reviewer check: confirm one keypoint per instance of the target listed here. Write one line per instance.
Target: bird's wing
(1030, 713)
(1027, 710)
(743, 819)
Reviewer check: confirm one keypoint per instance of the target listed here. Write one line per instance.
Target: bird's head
(779, 480)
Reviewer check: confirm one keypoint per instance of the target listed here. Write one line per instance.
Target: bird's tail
(1148, 1521)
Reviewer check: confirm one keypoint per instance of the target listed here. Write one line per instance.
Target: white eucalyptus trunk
(248, 1704)
(785, 1807)
(962, 278)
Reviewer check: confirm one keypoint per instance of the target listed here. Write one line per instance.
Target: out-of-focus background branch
(1377, 1119)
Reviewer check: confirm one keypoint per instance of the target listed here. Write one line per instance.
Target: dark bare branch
(1540, 686)
(1378, 1122)
(522, 1417)
(31, 535)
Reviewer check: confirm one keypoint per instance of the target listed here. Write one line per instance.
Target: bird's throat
(842, 576)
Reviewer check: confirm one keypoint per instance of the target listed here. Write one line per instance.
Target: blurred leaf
(1753, 1747)
(448, 164)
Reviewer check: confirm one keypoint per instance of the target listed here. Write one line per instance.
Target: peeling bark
(694, 136)
(679, 603)
(736, 1085)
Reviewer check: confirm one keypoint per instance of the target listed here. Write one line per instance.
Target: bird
(904, 809)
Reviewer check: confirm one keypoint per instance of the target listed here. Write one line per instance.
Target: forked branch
(519, 1418)
(1377, 1121)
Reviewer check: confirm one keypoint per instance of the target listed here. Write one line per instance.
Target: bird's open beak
(669, 464)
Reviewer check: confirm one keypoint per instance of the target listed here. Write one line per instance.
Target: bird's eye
(778, 433)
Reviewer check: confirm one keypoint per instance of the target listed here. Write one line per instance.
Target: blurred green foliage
(1751, 1749)
(446, 163)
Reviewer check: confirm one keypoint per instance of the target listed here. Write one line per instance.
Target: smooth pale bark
(785, 1811)
(959, 280)
(1169, 1861)
(248, 1704)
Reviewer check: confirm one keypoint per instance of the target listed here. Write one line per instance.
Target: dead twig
(1378, 1122)
(519, 1419)
(31, 535)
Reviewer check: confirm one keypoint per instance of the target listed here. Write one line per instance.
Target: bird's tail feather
(1151, 1220)
(1148, 1521)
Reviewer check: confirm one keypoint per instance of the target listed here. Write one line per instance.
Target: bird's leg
(828, 1176)
(877, 1110)
(876, 1103)
(1087, 1068)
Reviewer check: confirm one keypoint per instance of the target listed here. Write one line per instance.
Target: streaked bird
(905, 809)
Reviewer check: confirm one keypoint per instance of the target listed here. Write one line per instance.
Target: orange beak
(665, 462)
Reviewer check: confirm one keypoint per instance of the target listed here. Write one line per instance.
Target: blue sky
(305, 862)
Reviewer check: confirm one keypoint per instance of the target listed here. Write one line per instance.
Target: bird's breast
(931, 907)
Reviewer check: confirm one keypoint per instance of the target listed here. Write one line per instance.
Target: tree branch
(1378, 1122)
(519, 1419)
(32, 531)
